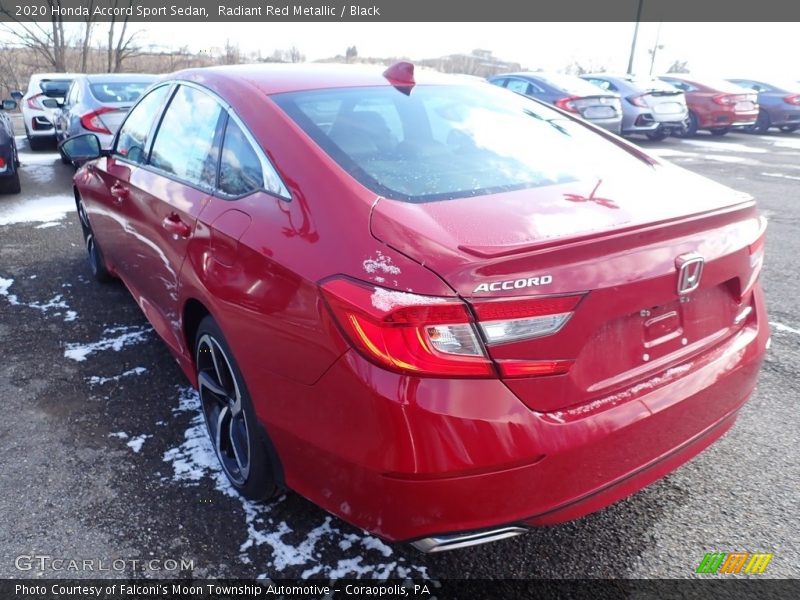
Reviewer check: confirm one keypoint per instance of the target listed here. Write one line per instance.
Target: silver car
(649, 106)
(98, 104)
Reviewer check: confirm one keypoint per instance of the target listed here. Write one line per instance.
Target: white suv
(40, 104)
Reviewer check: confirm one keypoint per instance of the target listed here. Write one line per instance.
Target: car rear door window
(185, 142)
(133, 135)
(517, 85)
(240, 170)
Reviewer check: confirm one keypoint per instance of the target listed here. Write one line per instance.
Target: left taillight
(442, 337)
(568, 104)
(793, 99)
(92, 122)
(637, 101)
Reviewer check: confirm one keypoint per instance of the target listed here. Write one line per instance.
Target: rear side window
(132, 139)
(517, 85)
(240, 169)
(446, 142)
(185, 142)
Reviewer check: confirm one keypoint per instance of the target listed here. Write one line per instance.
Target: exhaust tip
(443, 543)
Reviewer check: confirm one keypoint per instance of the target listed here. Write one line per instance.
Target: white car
(40, 104)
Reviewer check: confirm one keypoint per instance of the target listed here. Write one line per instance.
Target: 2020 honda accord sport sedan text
(440, 310)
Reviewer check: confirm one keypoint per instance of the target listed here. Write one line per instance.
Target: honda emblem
(690, 269)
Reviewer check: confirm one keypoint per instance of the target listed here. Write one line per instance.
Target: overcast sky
(721, 49)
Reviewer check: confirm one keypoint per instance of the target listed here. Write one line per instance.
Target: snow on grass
(37, 209)
(194, 460)
(116, 338)
(96, 380)
(781, 328)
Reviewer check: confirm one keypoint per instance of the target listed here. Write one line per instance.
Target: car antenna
(401, 76)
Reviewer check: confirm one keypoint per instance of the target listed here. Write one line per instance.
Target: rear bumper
(409, 458)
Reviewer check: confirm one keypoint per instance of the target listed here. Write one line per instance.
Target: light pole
(635, 35)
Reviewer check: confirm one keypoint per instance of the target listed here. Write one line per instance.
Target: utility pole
(635, 35)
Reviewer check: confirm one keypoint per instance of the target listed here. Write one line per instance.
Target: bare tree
(295, 56)
(577, 68)
(87, 37)
(679, 66)
(351, 53)
(124, 46)
(47, 41)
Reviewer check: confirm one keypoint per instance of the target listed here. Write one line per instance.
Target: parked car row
(437, 309)
(674, 103)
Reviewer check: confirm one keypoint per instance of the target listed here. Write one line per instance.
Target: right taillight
(91, 121)
(33, 102)
(637, 101)
(568, 104)
(793, 99)
(436, 336)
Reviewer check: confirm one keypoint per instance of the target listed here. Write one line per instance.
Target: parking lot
(104, 453)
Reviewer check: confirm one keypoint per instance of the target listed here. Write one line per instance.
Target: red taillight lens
(793, 99)
(33, 102)
(426, 335)
(2, 163)
(407, 332)
(637, 101)
(92, 122)
(567, 104)
(724, 99)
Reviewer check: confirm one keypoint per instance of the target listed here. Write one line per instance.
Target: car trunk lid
(620, 245)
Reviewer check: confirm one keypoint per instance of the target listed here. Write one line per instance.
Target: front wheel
(657, 135)
(229, 416)
(788, 128)
(719, 131)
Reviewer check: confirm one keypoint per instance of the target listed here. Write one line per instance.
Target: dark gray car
(569, 93)
(778, 104)
(649, 106)
(98, 104)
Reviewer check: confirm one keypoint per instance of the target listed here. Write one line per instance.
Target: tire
(788, 128)
(719, 131)
(37, 143)
(97, 264)
(10, 185)
(239, 442)
(657, 135)
(761, 125)
(689, 128)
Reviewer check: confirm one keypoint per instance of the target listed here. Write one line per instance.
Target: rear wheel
(229, 416)
(788, 128)
(657, 135)
(97, 264)
(689, 128)
(10, 184)
(719, 131)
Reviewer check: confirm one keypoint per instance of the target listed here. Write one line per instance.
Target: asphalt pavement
(103, 455)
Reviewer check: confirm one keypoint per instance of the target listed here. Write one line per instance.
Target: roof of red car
(278, 78)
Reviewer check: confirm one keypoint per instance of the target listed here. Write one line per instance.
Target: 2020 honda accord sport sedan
(438, 309)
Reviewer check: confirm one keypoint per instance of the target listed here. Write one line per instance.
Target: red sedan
(440, 310)
(715, 105)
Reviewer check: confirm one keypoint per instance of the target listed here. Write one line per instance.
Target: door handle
(119, 191)
(175, 226)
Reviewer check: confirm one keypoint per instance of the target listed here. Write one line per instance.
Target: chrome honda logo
(690, 269)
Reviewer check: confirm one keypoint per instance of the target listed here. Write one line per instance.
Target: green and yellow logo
(734, 562)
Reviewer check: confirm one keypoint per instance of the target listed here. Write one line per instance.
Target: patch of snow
(37, 209)
(38, 158)
(380, 264)
(48, 225)
(786, 142)
(719, 146)
(118, 338)
(386, 300)
(119, 434)
(667, 152)
(194, 459)
(5, 284)
(56, 302)
(95, 380)
(731, 159)
(784, 328)
(136, 443)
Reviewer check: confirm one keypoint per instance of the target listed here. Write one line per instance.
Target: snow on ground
(786, 142)
(717, 146)
(28, 158)
(96, 380)
(37, 209)
(781, 175)
(194, 460)
(56, 303)
(136, 443)
(115, 338)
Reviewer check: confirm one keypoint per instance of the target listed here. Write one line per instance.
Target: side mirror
(17, 95)
(82, 148)
(9, 104)
(50, 103)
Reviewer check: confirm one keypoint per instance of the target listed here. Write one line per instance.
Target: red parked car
(442, 311)
(715, 105)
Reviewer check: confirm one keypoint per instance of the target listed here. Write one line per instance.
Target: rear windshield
(573, 85)
(118, 91)
(446, 142)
